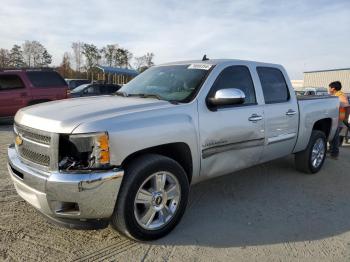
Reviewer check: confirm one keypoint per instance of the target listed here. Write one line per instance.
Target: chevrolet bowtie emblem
(19, 140)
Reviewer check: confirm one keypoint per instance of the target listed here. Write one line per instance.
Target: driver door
(232, 136)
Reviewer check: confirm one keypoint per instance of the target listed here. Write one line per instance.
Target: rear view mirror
(228, 96)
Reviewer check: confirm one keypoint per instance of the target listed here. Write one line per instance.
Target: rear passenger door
(13, 94)
(281, 114)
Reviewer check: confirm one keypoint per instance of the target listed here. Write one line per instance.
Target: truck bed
(310, 110)
(302, 97)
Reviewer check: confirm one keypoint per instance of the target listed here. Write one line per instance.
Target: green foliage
(4, 58)
(16, 57)
(84, 55)
(92, 55)
(122, 58)
(35, 54)
(108, 53)
(144, 62)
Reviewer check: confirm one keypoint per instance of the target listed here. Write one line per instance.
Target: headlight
(84, 151)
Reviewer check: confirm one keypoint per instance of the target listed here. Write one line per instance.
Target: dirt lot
(266, 213)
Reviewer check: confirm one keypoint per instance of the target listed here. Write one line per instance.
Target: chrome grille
(34, 136)
(36, 147)
(34, 156)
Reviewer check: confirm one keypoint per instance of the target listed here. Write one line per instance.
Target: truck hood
(64, 116)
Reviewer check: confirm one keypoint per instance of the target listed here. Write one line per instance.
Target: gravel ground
(266, 213)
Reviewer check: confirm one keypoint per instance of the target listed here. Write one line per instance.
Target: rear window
(73, 83)
(274, 85)
(46, 79)
(8, 82)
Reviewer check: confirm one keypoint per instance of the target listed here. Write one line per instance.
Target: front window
(172, 83)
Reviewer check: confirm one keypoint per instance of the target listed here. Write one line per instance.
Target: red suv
(24, 87)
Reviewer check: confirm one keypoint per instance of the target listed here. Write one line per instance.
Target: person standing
(334, 89)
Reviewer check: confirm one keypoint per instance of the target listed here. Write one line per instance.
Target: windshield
(172, 83)
(79, 88)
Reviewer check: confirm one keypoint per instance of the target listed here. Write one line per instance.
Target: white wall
(322, 79)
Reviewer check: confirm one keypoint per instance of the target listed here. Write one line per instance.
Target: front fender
(133, 133)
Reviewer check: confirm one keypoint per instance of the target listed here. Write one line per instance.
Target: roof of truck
(221, 61)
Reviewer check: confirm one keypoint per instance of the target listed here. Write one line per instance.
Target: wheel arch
(178, 151)
(323, 125)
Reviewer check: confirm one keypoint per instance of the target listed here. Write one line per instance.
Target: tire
(304, 160)
(141, 174)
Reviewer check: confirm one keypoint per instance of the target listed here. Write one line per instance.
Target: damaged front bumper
(68, 198)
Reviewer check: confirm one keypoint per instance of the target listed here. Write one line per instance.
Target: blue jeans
(334, 144)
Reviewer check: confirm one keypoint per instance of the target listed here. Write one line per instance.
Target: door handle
(255, 118)
(291, 112)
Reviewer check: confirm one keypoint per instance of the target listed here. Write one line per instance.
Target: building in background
(113, 75)
(322, 78)
(297, 84)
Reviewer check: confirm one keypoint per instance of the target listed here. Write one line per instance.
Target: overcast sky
(301, 35)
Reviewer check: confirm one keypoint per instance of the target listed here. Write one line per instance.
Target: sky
(301, 35)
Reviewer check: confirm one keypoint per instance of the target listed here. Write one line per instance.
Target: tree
(35, 54)
(27, 52)
(122, 57)
(16, 57)
(109, 53)
(65, 68)
(92, 56)
(46, 58)
(78, 55)
(144, 62)
(4, 58)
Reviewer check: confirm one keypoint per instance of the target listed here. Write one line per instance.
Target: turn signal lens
(103, 141)
(104, 149)
(104, 157)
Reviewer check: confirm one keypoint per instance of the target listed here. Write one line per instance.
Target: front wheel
(152, 199)
(312, 158)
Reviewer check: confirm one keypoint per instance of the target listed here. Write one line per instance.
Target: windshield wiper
(147, 96)
(142, 95)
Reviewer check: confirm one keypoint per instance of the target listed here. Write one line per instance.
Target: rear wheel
(152, 198)
(312, 158)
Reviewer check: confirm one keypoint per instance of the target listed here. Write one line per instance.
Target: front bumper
(66, 196)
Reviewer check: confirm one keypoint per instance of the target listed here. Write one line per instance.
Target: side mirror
(229, 96)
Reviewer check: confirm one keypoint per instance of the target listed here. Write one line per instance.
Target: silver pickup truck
(129, 159)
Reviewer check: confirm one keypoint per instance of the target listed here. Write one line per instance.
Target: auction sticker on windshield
(199, 66)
